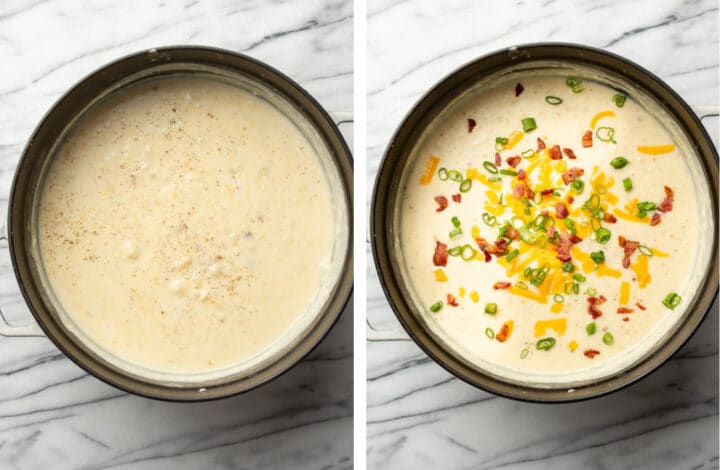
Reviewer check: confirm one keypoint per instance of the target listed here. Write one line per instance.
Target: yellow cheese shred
(440, 275)
(430, 168)
(556, 307)
(573, 345)
(513, 139)
(474, 296)
(600, 115)
(624, 293)
(557, 324)
(656, 149)
(640, 266)
(461, 291)
(528, 294)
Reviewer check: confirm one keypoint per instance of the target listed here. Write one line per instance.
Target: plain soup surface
(186, 225)
(550, 247)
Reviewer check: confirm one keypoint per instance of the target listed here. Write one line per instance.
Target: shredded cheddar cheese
(556, 307)
(430, 169)
(656, 149)
(573, 345)
(440, 275)
(461, 292)
(624, 293)
(474, 296)
(600, 115)
(515, 137)
(640, 266)
(557, 324)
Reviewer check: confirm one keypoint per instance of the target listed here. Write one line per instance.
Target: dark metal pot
(243, 71)
(568, 59)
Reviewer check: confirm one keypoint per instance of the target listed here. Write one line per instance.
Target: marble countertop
(52, 414)
(420, 416)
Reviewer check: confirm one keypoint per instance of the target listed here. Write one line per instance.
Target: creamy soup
(548, 228)
(186, 225)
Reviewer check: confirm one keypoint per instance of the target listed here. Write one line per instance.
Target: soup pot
(510, 64)
(22, 231)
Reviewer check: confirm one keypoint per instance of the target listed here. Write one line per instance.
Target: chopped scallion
(455, 175)
(619, 162)
(598, 256)
(489, 333)
(465, 185)
(553, 100)
(602, 235)
(508, 172)
(606, 134)
(590, 328)
(490, 167)
(627, 183)
(443, 174)
(512, 255)
(578, 185)
(491, 308)
(558, 298)
(545, 344)
(672, 300)
(568, 267)
(529, 124)
(619, 99)
(645, 250)
(608, 339)
(436, 307)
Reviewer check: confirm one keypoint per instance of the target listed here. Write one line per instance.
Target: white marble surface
(52, 414)
(419, 416)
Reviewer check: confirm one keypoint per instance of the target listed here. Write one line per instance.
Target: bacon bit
(518, 89)
(545, 212)
(501, 285)
(522, 189)
(667, 204)
(655, 219)
(514, 161)
(609, 218)
(498, 249)
(471, 125)
(521, 174)
(441, 254)
(571, 174)
(451, 300)
(442, 203)
(640, 306)
(457, 197)
(629, 247)
(503, 334)
(626, 319)
(587, 139)
(563, 248)
(591, 353)
(541, 144)
(502, 243)
(570, 199)
(625, 310)
(570, 154)
(575, 238)
(484, 246)
(555, 153)
(551, 232)
(594, 303)
(545, 192)
(512, 233)
(498, 159)
(561, 210)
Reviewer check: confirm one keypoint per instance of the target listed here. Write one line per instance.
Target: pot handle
(6, 329)
(342, 117)
(706, 111)
(393, 334)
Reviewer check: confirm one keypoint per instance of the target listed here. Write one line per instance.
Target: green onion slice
(598, 256)
(443, 174)
(568, 267)
(578, 185)
(545, 344)
(619, 99)
(468, 252)
(529, 153)
(455, 251)
(465, 185)
(491, 308)
(606, 134)
(512, 255)
(490, 167)
(436, 307)
(524, 353)
(553, 100)
(602, 235)
(455, 175)
(529, 124)
(645, 250)
(672, 300)
(495, 179)
(456, 231)
(590, 328)
(558, 298)
(489, 219)
(591, 291)
(508, 172)
(627, 183)
(579, 277)
(501, 140)
(608, 339)
(619, 162)
(489, 333)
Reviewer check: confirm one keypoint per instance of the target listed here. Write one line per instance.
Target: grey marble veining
(420, 416)
(52, 414)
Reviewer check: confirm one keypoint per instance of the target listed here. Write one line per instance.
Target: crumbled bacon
(655, 219)
(514, 161)
(561, 210)
(503, 333)
(521, 174)
(498, 249)
(457, 197)
(570, 199)
(587, 139)
(555, 153)
(625, 310)
(569, 153)
(575, 239)
(522, 189)
(451, 300)
(501, 285)
(442, 203)
(591, 353)
(545, 192)
(640, 306)
(571, 174)
(667, 204)
(484, 247)
(593, 304)
(512, 233)
(471, 125)
(441, 254)
(563, 248)
(518, 89)
(498, 159)
(626, 319)
(551, 232)
(609, 218)
(541, 144)
(629, 247)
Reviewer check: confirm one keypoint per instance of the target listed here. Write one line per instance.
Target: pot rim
(453, 84)
(338, 298)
